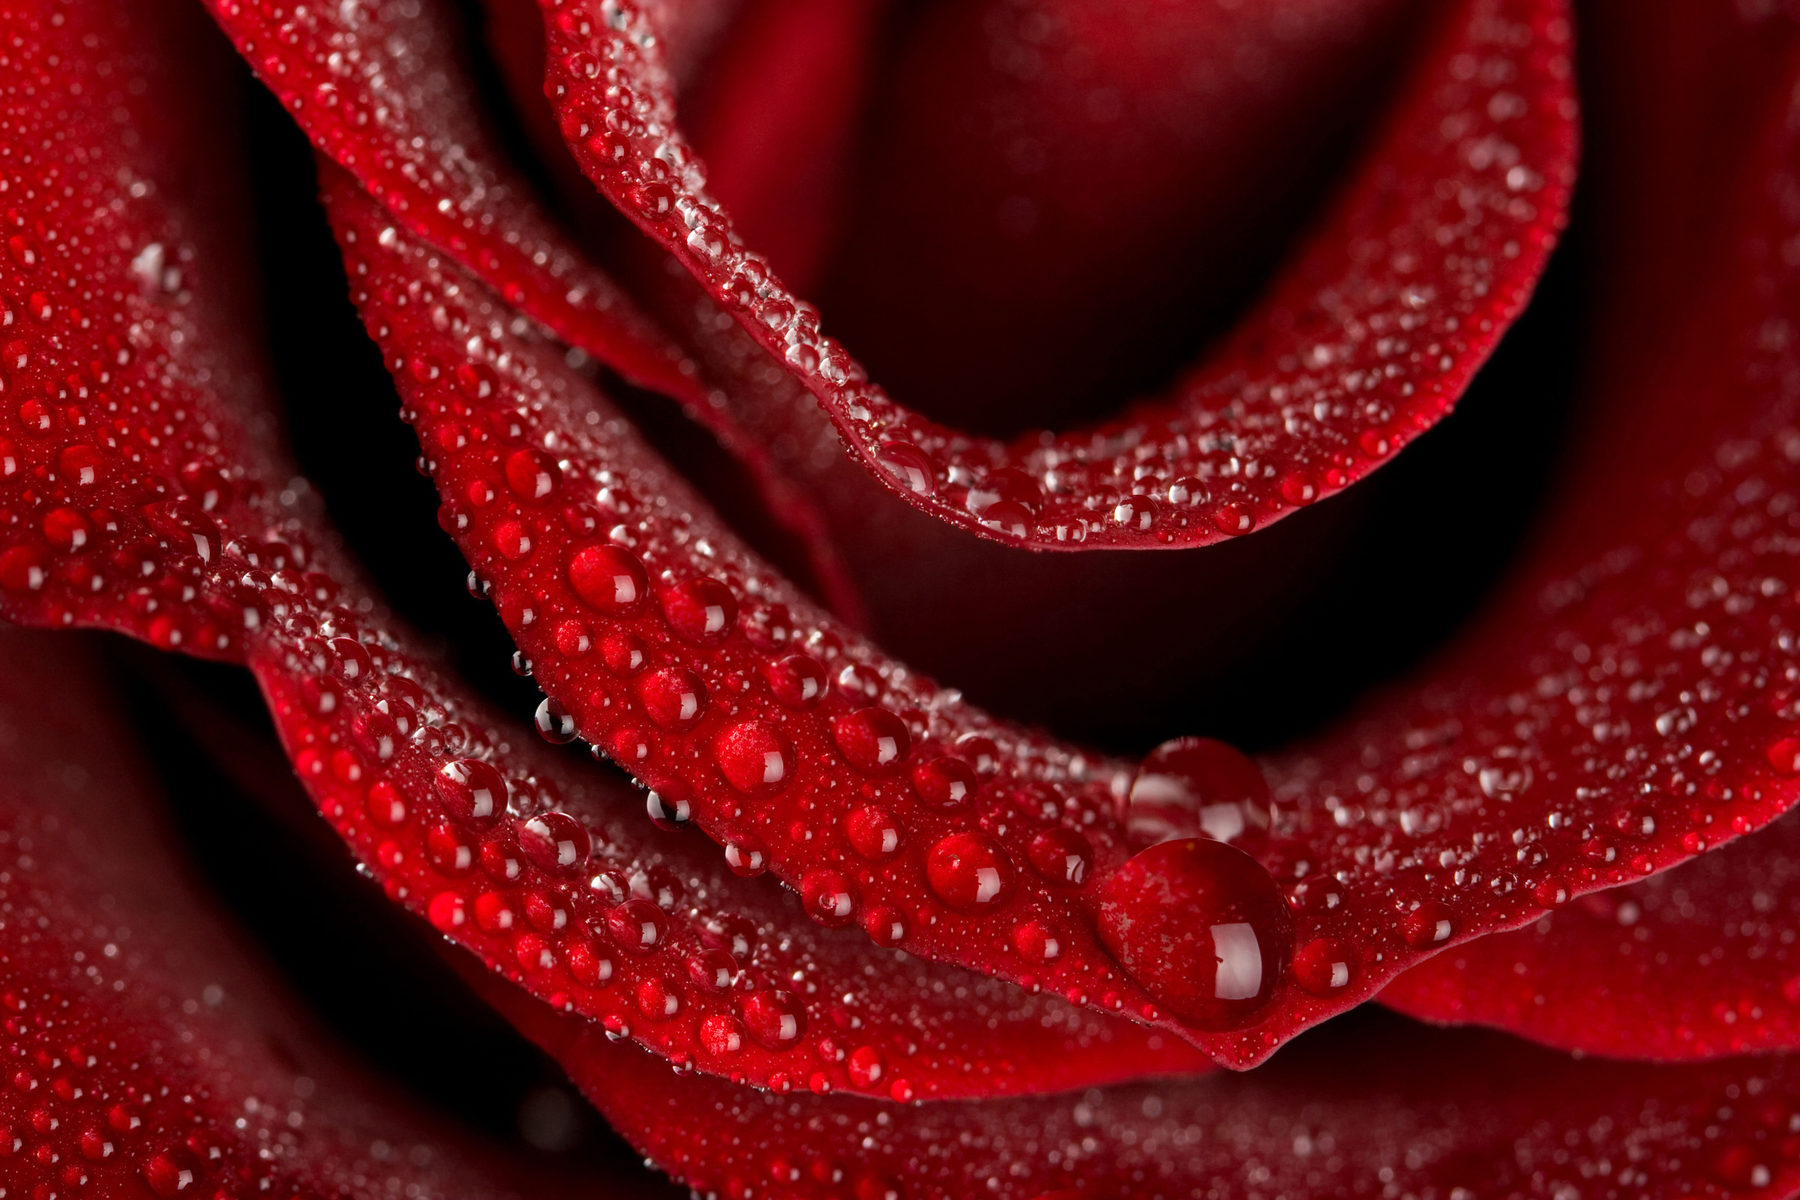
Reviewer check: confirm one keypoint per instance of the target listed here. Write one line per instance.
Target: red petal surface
(123, 255)
(1054, 204)
(147, 1052)
(777, 122)
(1369, 336)
(1697, 962)
(1387, 1111)
(1517, 775)
(467, 820)
(382, 90)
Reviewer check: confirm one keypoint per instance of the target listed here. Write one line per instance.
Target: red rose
(975, 945)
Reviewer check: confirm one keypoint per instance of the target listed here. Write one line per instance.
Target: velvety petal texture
(387, 92)
(384, 90)
(1697, 962)
(148, 1051)
(1384, 1111)
(1501, 796)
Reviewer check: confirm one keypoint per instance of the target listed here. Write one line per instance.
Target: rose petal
(778, 722)
(1692, 963)
(777, 120)
(403, 763)
(124, 253)
(229, 560)
(1399, 296)
(147, 1050)
(1629, 701)
(1698, 962)
(1376, 1110)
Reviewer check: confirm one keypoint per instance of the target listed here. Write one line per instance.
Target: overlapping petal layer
(1369, 336)
(147, 1050)
(1390, 1111)
(1697, 962)
(1629, 704)
(384, 91)
(558, 876)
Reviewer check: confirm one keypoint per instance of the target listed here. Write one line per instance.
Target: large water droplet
(968, 871)
(556, 842)
(1199, 787)
(872, 740)
(773, 1018)
(609, 578)
(702, 610)
(1201, 926)
(755, 757)
(474, 791)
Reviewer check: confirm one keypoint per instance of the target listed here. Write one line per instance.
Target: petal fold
(384, 91)
(1374, 1111)
(1368, 336)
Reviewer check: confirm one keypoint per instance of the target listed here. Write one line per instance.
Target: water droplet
(865, 1067)
(746, 856)
(945, 782)
(755, 757)
(826, 896)
(713, 969)
(1430, 924)
(1201, 926)
(1036, 942)
(968, 871)
(637, 925)
(775, 1019)
(533, 475)
(609, 578)
(884, 925)
(910, 466)
(701, 610)
(1061, 855)
(873, 833)
(1199, 787)
(556, 842)
(555, 723)
(873, 740)
(669, 807)
(722, 1035)
(797, 681)
(673, 697)
(472, 790)
(1324, 966)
